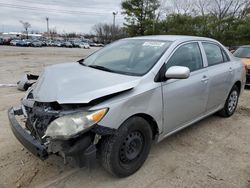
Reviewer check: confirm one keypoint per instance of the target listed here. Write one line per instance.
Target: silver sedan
(120, 99)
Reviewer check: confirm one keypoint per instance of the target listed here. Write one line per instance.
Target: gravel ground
(212, 153)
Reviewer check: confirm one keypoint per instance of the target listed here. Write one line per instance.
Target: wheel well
(238, 85)
(152, 122)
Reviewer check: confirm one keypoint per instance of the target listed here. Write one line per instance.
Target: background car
(27, 42)
(100, 45)
(92, 44)
(14, 42)
(67, 44)
(22, 43)
(44, 43)
(84, 45)
(36, 43)
(57, 44)
(243, 53)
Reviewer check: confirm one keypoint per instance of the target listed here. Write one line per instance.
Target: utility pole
(113, 33)
(47, 20)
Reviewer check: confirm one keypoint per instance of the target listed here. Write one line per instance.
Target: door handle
(204, 79)
(230, 70)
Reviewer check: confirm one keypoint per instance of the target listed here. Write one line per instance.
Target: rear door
(220, 74)
(185, 100)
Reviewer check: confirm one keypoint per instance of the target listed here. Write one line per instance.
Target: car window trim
(224, 52)
(203, 53)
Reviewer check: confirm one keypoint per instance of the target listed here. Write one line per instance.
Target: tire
(231, 103)
(125, 152)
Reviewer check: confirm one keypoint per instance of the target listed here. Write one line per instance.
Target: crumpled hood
(74, 83)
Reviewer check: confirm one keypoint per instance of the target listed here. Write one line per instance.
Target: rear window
(213, 53)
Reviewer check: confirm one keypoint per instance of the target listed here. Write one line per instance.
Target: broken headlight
(70, 125)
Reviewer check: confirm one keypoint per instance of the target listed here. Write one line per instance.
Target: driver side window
(188, 55)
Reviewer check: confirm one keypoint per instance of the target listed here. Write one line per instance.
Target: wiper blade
(81, 62)
(101, 68)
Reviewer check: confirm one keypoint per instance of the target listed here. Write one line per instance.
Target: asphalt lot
(212, 153)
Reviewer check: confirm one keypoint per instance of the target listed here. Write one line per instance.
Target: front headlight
(70, 125)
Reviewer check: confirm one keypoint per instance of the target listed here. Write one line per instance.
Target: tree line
(225, 20)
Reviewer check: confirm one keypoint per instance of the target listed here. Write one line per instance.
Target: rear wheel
(124, 153)
(231, 103)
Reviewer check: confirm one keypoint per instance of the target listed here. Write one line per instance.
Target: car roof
(173, 38)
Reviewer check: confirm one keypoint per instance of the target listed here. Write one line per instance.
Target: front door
(185, 100)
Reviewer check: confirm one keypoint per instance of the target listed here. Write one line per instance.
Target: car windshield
(132, 57)
(242, 52)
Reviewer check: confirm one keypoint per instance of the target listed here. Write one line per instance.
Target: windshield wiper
(101, 68)
(81, 62)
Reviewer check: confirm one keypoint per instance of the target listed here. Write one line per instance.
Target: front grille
(39, 117)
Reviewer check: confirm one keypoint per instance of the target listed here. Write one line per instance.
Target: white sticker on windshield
(153, 44)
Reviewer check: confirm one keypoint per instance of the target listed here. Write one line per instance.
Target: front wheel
(125, 152)
(231, 103)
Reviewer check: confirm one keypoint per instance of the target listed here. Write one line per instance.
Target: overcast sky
(64, 15)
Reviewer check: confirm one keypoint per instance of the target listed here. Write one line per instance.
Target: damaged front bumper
(32, 144)
(82, 149)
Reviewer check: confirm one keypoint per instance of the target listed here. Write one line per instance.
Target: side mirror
(177, 72)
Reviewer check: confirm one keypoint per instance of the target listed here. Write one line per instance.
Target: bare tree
(26, 26)
(181, 6)
(53, 33)
(99, 31)
(228, 8)
(162, 11)
(104, 32)
(202, 6)
(219, 8)
(246, 10)
(223, 10)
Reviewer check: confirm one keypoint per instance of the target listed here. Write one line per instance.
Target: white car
(84, 45)
(14, 42)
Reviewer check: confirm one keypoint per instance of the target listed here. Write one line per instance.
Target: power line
(49, 9)
(76, 5)
(32, 8)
